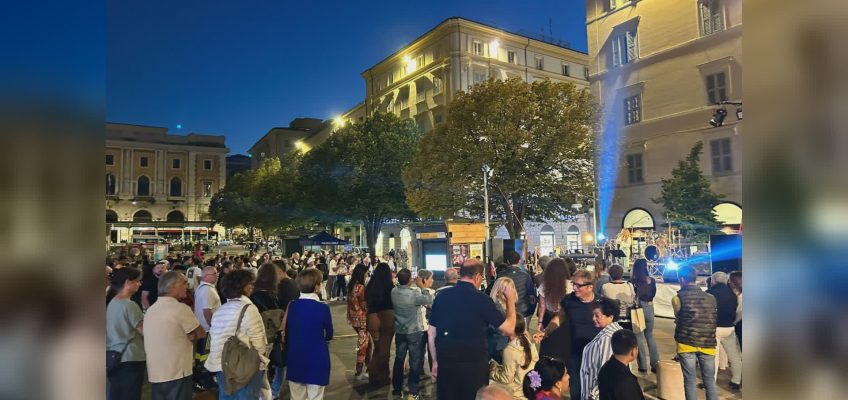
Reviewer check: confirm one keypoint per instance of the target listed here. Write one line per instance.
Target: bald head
(210, 274)
(451, 276)
(493, 392)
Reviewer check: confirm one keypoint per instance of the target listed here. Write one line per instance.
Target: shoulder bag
(239, 361)
(113, 358)
(278, 349)
(637, 314)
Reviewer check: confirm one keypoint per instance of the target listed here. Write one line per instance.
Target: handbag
(239, 361)
(637, 314)
(113, 358)
(279, 352)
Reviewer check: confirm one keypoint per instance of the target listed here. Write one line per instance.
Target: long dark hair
(555, 277)
(641, 279)
(118, 279)
(380, 286)
(520, 331)
(357, 276)
(550, 371)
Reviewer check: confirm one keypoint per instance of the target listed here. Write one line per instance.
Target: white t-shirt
(332, 267)
(205, 298)
(251, 331)
(170, 355)
(193, 277)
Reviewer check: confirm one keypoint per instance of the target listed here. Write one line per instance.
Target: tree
(267, 197)
(356, 173)
(688, 198)
(537, 138)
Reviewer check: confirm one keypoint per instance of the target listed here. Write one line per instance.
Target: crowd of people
(256, 327)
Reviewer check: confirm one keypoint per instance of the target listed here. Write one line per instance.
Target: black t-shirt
(557, 344)
(461, 315)
(150, 284)
(287, 291)
(579, 321)
(264, 300)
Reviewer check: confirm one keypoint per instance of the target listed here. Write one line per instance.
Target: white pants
(302, 391)
(726, 338)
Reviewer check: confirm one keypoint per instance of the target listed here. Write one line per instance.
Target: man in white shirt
(170, 331)
(206, 302)
(193, 274)
(331, 281)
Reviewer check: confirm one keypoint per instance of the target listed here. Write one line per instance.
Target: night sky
(240, 68)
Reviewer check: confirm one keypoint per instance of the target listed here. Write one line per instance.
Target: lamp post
(486, 252)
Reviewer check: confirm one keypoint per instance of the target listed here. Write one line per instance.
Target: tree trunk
(372, 230)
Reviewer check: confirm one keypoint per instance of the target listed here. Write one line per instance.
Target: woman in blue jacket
(308, 328)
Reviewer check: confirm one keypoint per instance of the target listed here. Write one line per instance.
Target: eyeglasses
(580, 285)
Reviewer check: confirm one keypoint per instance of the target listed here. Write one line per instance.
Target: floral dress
(357, 315)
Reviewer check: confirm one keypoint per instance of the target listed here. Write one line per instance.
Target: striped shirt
(251, 331)
(595, 354)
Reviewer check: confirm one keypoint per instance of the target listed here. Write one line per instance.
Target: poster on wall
(459, 253)
(475, 250)
(159, 252)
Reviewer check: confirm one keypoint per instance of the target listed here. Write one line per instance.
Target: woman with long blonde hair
(497, 340)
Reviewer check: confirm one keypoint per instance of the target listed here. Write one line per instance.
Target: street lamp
(578, 206)
(486, 170)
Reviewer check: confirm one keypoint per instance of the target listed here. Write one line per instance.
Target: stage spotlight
(739, 113)
(672, 265)
(601, 237)
(718, 117)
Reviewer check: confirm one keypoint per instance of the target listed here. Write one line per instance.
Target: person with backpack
(238, 319)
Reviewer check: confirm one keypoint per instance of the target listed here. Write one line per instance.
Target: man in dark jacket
(695, 333)
(615, 381)
(525, 289)
(727, 302)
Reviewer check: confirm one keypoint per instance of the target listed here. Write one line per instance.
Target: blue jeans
(279, 377)
(409, 343)
(249, 392)
(688, 363)
(647, 336)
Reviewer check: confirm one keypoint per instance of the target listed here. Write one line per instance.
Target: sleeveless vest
(696, 320)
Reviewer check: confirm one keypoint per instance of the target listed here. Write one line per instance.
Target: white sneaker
(361, 377)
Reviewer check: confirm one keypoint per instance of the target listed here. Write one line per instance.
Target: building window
(420, 94)
(711, 18)
(477, 48)
(437, 85)
(437, 118)
(404, 102)
(419, 61)
(176, 187)
(717, 88)
(634, 169)
(143, 186)
(611, 5)
(110, 159)
(144, 161)
(633, 109)
(586, 72)
(565, 69)
(721, 157)
(540, 62)
(572, 239)
(207, 189)
(624, 48)
(110, 185)
(390, 79)
(390, 108)
(510, 57)
(175, 163)
(207, 164)
(479, 77)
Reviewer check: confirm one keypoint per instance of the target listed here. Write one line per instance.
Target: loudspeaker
(726, 253)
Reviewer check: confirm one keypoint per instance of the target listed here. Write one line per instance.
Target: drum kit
(654, 246)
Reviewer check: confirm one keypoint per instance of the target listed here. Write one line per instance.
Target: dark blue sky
(239, 68)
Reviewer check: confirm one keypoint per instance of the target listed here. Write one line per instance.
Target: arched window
(110, 185)
(175, 216)
(546, 240)
(572, 238)
(638, 218)
(143, 187)
(111, 216)
(142, 216)
(176, 187)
